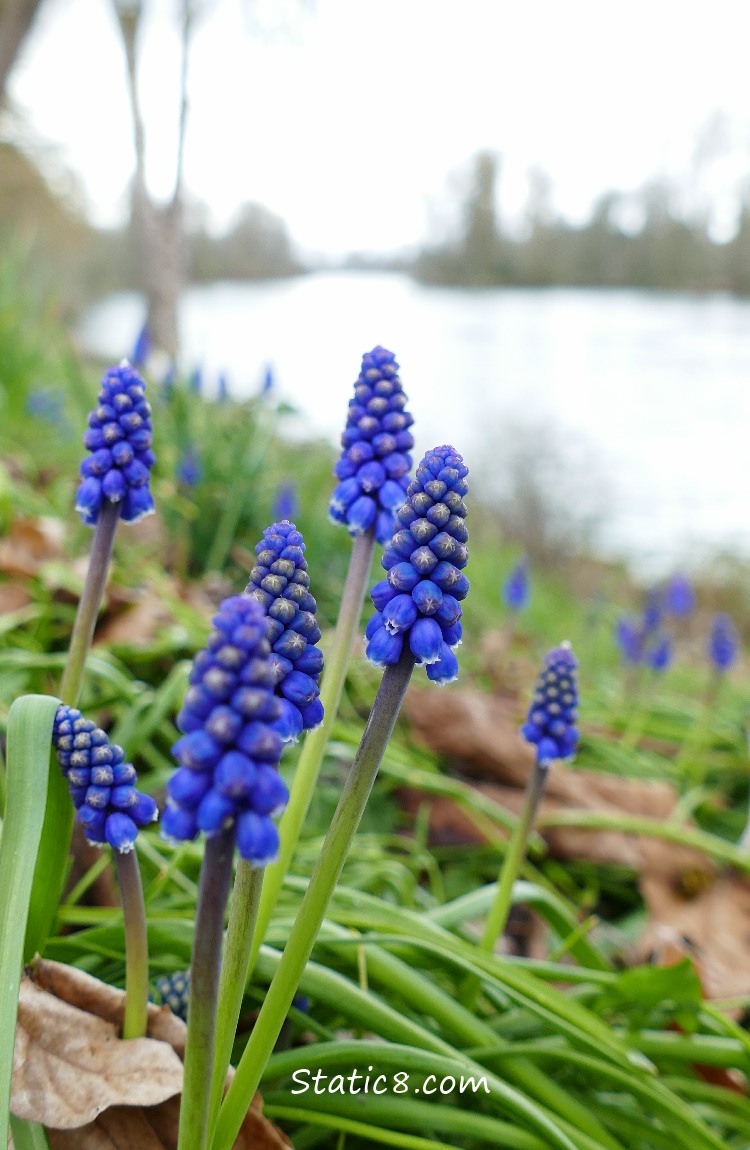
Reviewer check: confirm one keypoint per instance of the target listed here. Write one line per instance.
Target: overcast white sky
(350, 126)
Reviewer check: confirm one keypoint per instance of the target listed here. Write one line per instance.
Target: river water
(646, 397)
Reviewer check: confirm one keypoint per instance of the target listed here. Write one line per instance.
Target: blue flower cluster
(375, 463)
(119, 442)
(174, 992)
(679, 597)
(419, 602)
(551, 722)
(280, 583)
(644, 640)
(516, 587)
(229, 752)
(723, 643)
(101, 783)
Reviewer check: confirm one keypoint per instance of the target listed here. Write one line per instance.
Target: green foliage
(577, 1053)
(29, 737)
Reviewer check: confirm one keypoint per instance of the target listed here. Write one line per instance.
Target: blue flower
(101, 783)
(120, 458)
(230, 750)
(195, 380)
(268, 380)
(285, 504)
(222, 388)
(658, 654)
(373, 470)
(552, 715)
(189, 470)
(280, 583)
(653, 609)
(723, 643)
(141, 348)
(516, 587)
(419, 602)
(629, 639)
(679, 598)
(46, 403)
(174, 992)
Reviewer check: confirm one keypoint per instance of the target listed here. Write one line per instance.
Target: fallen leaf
(714, 924)
(126, 1127)
(13, 597)
(69, 1065)
(136, 626)
(30, 543)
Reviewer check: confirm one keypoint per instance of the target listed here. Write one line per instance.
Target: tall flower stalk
(280, 583)
(550, 728)
(110, 810)
(373, 476)
(227, 786)
(435, 497)
(114, 485)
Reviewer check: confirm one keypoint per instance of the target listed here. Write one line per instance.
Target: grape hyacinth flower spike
(550, 728)
(174, 992)
(417, 633)
(723, 643)
(279, 581)
(516, 587)
(375, 463)
(111, 810)
(679, 597)
(229, 787)
(419, 603)
(230, 750)
(120, 458)
(373, 477)
(101, 784)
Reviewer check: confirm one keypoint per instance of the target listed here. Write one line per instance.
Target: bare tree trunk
(159, 229)
(16, 18)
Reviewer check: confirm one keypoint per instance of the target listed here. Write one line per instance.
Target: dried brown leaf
(713, 920)
(69, 1065)
(132, 1127)
(30, 543)
(13, 597)
(139, 625)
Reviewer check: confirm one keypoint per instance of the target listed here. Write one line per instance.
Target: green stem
(497, 918)
(54, 849)
(90, 602)
(136, 945)
(308, 767)
(234, 971)
(315, 902)
(213, 891)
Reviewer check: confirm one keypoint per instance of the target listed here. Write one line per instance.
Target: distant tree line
(42, 218)
(663, 251)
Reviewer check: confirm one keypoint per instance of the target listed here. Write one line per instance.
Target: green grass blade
(29, 737)
(408, 1114)
(28, 1135)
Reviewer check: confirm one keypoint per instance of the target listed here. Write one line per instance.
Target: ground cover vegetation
(610, 1012)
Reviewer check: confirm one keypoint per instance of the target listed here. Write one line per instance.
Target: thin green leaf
(29, 736)
(28, 1135)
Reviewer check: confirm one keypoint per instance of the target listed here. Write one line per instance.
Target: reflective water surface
(651, 393)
